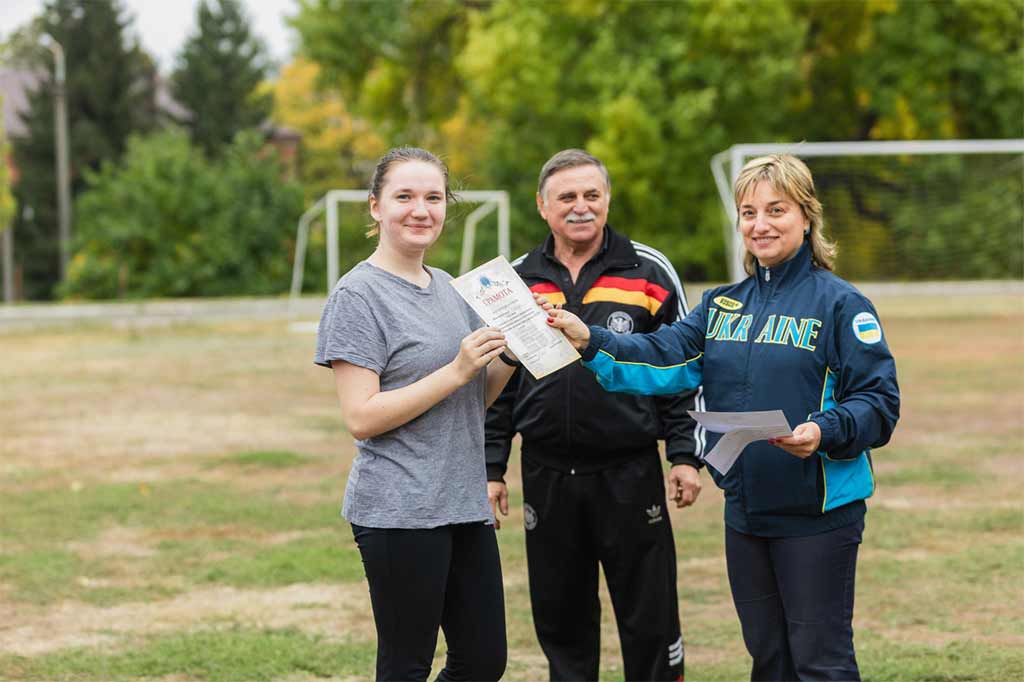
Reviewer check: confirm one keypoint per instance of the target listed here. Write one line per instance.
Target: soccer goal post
(489, 200)
(904, 210)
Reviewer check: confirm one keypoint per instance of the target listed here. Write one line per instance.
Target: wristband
(508, 360)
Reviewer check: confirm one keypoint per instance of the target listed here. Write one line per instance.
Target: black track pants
(448, 577)
(618, 517)
(794, 597)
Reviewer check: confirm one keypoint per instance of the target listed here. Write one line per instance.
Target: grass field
(169, 510)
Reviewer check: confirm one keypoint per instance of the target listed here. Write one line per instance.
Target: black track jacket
(567, 421)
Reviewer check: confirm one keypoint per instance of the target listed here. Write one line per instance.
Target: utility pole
(60, 121)
(7, 210)
(7, 248)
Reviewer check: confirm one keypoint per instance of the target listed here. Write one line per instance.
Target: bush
(167, 221)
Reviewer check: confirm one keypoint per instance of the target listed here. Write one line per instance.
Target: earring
(807, 230)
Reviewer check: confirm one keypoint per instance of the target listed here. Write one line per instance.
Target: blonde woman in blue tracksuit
(792, 336)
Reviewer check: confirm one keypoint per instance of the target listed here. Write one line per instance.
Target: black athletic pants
(794, 597)
(422, 579)
(618, 517)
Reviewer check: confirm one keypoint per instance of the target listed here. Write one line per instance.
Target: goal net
(906, 211)
(336, 250)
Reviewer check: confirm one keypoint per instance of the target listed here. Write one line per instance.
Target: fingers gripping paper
(497, 294)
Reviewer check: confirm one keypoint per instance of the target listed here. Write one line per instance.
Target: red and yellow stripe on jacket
(638, 292)
(550, 292)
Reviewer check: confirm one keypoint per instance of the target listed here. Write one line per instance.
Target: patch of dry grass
(163, 406)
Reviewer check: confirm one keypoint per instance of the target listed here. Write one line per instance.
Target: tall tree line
(496, 86)
(110, 95)
(657, 88)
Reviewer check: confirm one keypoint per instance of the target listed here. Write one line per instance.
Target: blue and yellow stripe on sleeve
(644, 378)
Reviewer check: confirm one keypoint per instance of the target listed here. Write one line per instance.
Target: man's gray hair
(570, 158)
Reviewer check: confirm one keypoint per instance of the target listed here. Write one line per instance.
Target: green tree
(657, 88)
(918, 70)
(336, 145)
(883, 69)
(653, 89)
(217, 76)
(168, 221)
(393, 62)
(337, 151)
(110, 94)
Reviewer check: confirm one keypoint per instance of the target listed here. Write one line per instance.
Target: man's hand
(497, 494)
(803, 443)
(683, 485)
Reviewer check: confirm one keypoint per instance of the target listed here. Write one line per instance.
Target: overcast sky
(163, 25)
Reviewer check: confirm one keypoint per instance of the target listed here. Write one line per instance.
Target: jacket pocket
(776, 482)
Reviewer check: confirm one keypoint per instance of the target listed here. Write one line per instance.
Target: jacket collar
(788, 272)
(616, 251)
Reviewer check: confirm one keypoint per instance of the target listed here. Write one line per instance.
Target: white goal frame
(489, 200)
(737, 155)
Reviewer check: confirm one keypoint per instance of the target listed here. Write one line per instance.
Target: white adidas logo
(675, 652)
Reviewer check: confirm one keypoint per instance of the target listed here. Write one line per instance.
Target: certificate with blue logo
(498, 295)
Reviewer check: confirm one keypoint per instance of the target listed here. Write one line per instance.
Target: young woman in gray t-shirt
(407, 355)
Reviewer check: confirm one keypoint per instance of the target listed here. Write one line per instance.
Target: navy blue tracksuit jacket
(793, 337)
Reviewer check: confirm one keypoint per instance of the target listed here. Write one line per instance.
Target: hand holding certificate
(740, 429)
(497, 294)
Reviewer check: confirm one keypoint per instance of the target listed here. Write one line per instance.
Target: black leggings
(794, 597)
(424, 578)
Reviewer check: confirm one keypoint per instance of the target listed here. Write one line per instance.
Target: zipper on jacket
(766, 296)
(574, 304)
(569, 420)
(569, 288)
(765, 300)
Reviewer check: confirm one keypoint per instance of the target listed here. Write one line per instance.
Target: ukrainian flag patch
(866, 328)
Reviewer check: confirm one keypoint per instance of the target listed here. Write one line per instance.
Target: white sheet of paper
(740, 429)
(498, 295)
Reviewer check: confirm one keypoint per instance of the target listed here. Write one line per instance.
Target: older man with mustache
(593, 485)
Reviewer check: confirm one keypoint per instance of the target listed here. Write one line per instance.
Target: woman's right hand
(573, 327)
(476, 351)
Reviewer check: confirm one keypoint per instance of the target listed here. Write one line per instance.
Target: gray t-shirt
(430, 471)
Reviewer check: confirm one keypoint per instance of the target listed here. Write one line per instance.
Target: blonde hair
(790, 176)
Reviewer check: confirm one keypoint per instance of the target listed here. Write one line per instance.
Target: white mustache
(588, 216)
